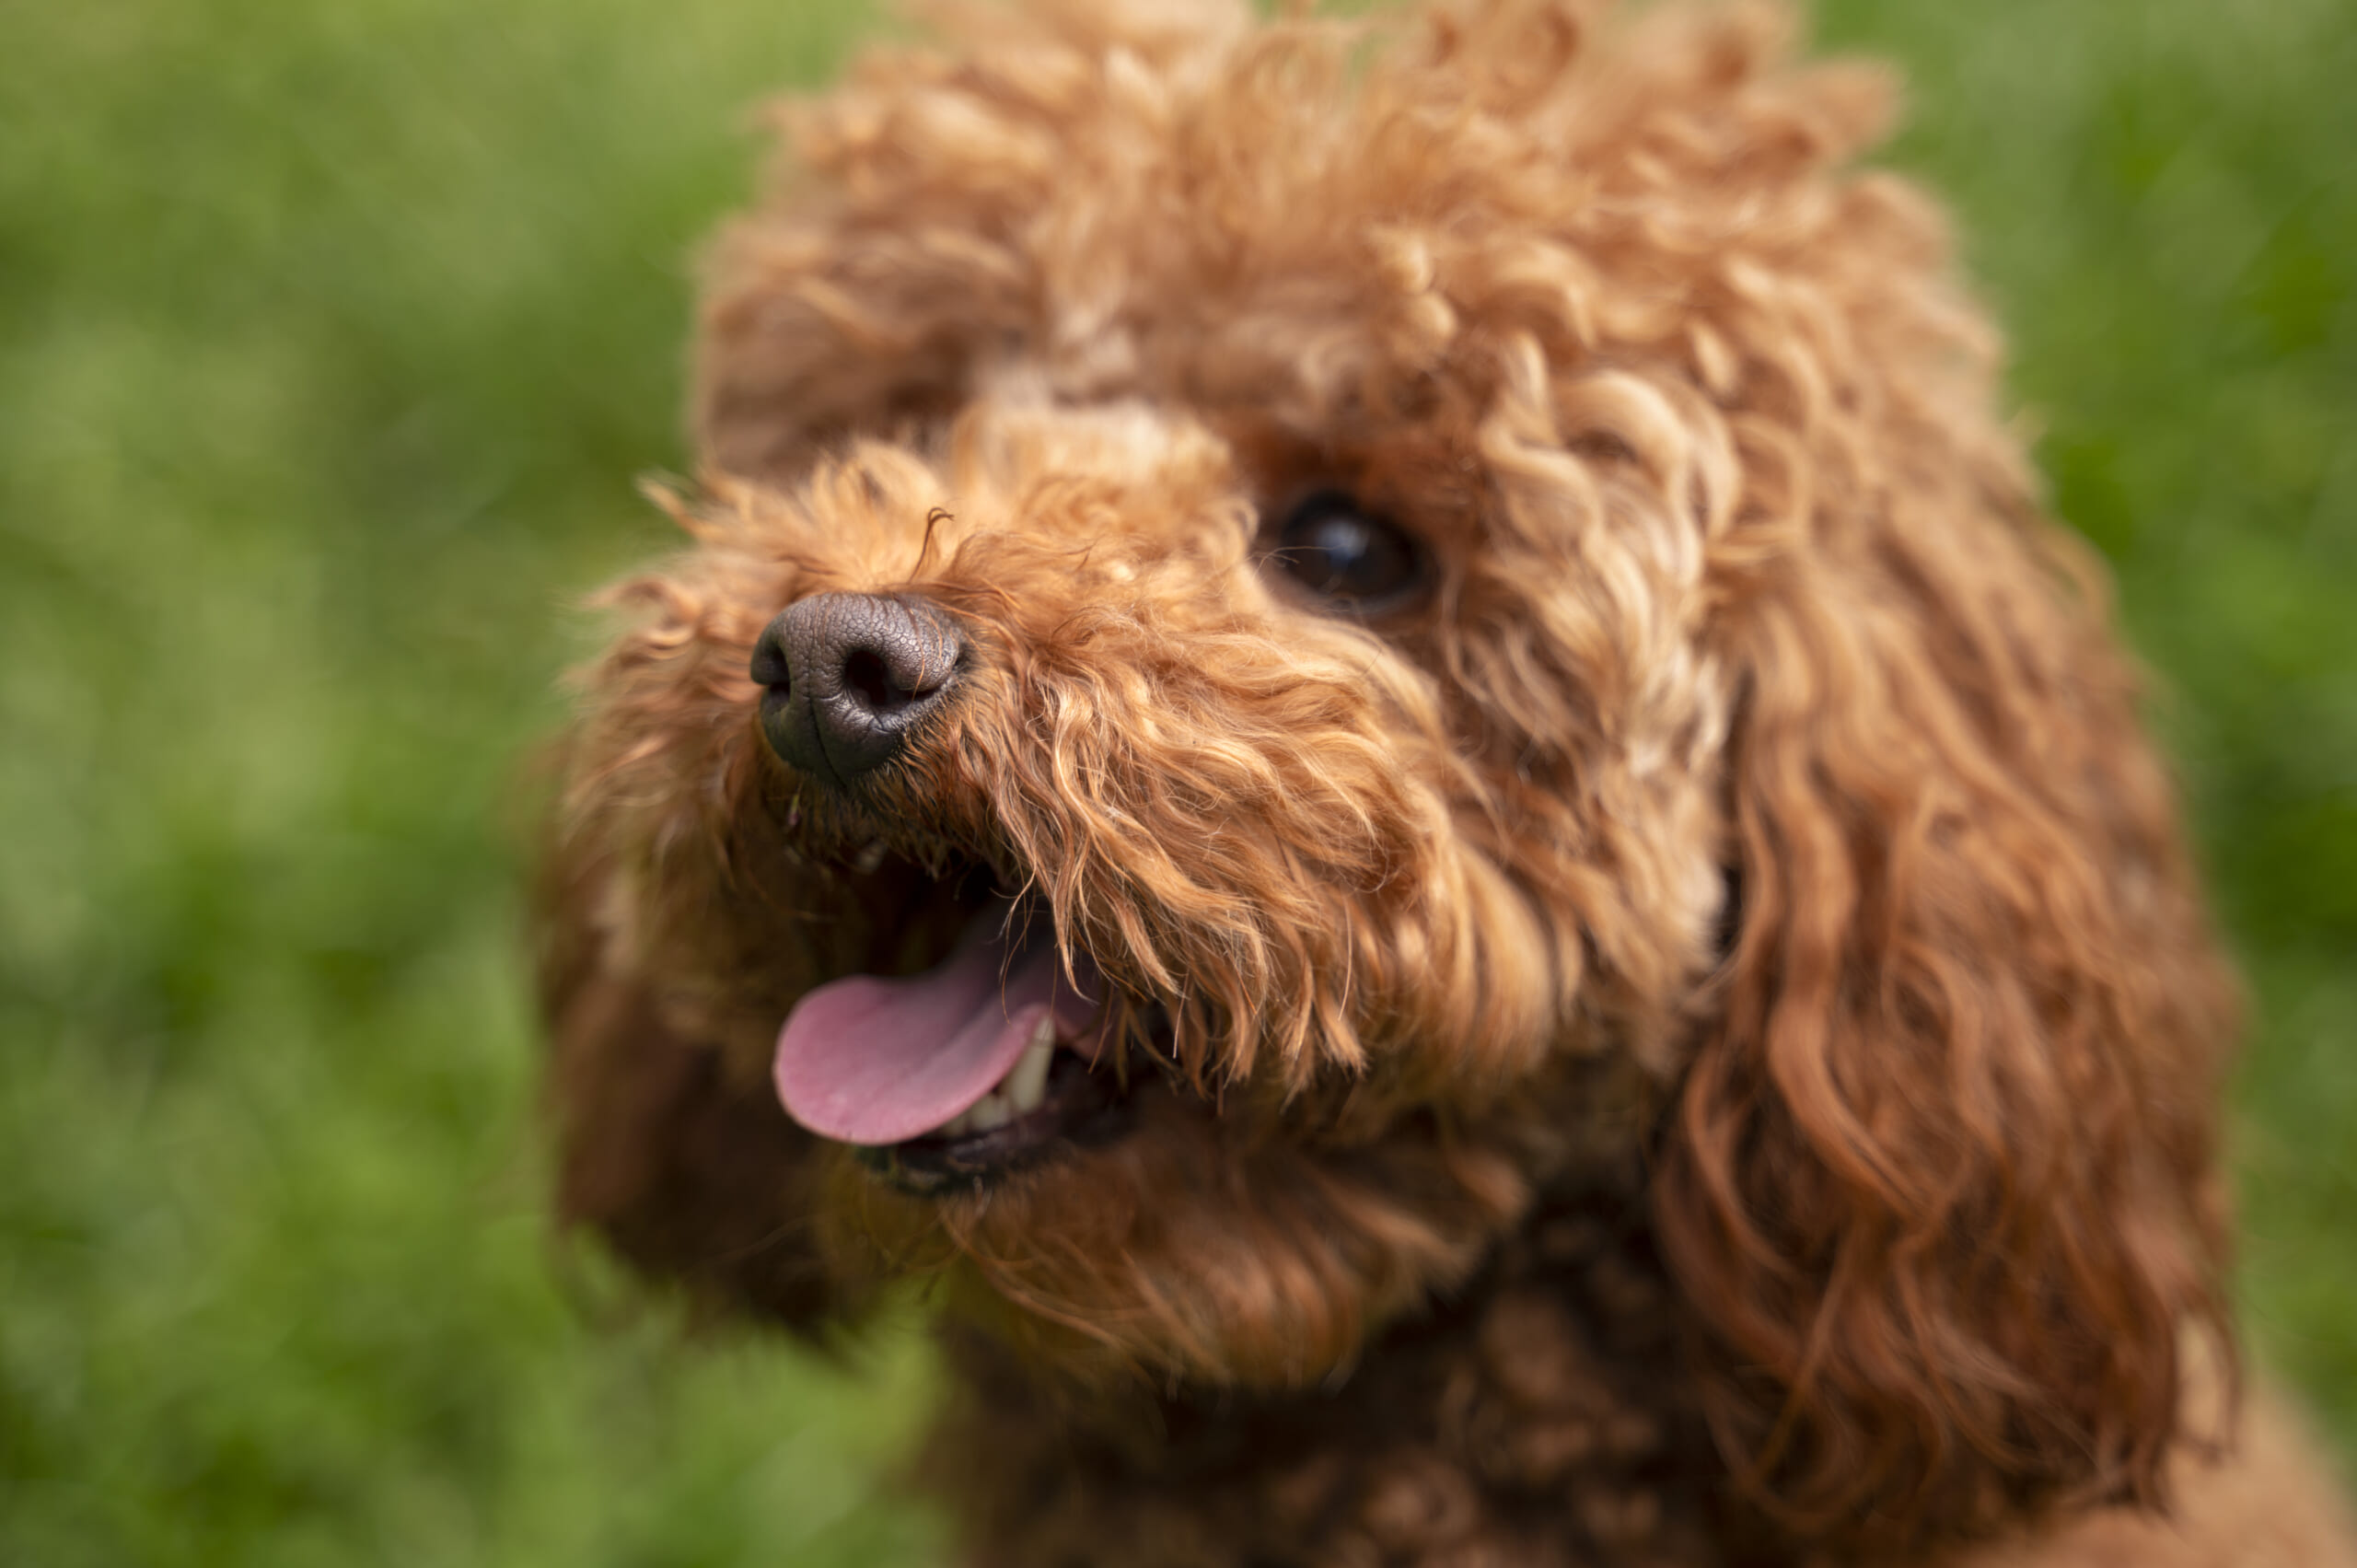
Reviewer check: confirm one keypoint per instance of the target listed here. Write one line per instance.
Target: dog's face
(1285, 692)
(1222, 783)
(1284, 651)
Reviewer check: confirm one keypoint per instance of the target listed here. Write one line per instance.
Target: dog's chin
(1190, 1247)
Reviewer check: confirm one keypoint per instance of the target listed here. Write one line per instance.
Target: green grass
(332, 336)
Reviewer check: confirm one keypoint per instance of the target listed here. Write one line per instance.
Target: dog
(1371, 735)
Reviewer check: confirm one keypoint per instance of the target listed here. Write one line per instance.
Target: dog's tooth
(1026, 1085)
(989, 1112)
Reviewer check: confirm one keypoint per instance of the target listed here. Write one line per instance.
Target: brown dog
(1380, 742)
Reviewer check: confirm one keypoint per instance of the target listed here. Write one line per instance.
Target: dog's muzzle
(851, 677)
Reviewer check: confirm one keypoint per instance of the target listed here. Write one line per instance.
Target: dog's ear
(1939, 1182)
(692, 1175)
(794, 360)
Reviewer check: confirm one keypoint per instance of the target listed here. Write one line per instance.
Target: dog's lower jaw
(1246, 1241)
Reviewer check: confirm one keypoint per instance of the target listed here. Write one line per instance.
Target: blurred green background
(332, 333)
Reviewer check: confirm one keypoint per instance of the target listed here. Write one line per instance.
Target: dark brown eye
(1339, 551)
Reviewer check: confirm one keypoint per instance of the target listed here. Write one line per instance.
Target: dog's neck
(1536, 1416)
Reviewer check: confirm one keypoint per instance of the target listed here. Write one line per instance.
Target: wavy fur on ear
(686, 1164)
(1942, 1181)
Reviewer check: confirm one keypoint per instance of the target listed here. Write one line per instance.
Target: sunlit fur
(1697, 1043)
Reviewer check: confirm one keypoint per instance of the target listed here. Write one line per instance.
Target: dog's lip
(872, 1060)
(1081, 1107)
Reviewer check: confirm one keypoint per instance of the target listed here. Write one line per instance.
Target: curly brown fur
(1693, 1041)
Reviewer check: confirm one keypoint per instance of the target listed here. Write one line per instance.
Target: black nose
(850, 677)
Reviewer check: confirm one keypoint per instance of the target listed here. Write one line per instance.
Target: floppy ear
(1940, 1181)
(692, 1174)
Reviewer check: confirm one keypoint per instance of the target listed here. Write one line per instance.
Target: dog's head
(1293, 642)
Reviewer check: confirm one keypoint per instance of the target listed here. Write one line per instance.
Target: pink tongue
(865, 1060)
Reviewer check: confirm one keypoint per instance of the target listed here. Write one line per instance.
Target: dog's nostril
(867, 676)
(770, 668)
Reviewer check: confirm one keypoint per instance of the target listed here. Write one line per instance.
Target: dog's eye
(1338, 551)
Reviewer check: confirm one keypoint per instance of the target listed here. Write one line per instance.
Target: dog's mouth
(988, 1058)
